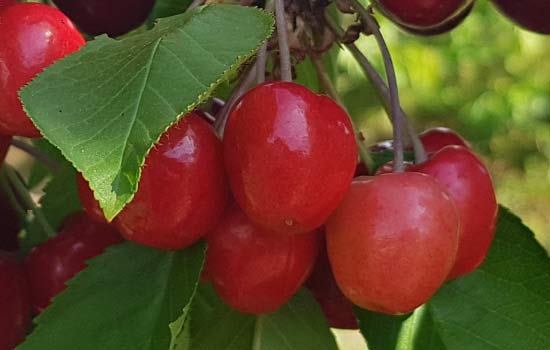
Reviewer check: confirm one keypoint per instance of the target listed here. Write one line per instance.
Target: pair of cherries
(436, 17)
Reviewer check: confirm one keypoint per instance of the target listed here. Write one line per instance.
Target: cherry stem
(282, 37)
(36, 153)
(195, 4)
(22, 192)
(244, 84)
(261, 61)
(398, 152)
(380, 87)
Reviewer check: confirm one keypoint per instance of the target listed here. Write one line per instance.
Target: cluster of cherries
(279, 200)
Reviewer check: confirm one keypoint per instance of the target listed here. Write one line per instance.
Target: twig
(282, 37)
(22, 193)
(36, 153)
(261, 61)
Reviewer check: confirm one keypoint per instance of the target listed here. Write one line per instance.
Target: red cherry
(10, 225)
(468, 182)
(444, 27)
(33, 36)
(253, 270)
(54, 262)
(393, 241)
(6, 3)
(337, 308)
(361, 169)
(183, 190)
(290, 155)
(530, 14)
(436, 138)
(106, 16)
(423, 15)
(89, 203)
(15, 306)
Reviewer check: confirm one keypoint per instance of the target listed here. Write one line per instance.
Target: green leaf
(125, 299)
(105, 106)
(504, 305)
(297, 325)
(167, 8)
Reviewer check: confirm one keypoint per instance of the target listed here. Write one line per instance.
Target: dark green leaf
(298, 325)
(125, 299)
(504, 305)
(167, 8)
(105, 106)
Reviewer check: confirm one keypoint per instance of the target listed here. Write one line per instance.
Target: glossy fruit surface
(337, 308)
(6, 3)
(393, 240)
(444, 27)
(422, 14)
(255, 271)
(106, 16)
(89, 203)
(9, 224)
(15, 306)
(533, 15)
(436, 138)
(468, 182)
(290, 155)
(182, 191)
(33, 36)
(54, 262)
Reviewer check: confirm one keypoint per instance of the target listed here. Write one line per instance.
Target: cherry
(183, 190)
(393, 241)
(424, 15)
(337, 308)
(468, 182)
(15, 306)
(6, 3)
(253, 270)
(436, 138)
(290, 155)
(106, 16)
(530, 14)
(10, 225)
(33, 36)
(444, 27)
(60, 258)
(89, 203)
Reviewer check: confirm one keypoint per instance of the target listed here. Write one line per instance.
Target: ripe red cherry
(106, 16)
(436, 138)
(337, 308)
(6, 3)
(253, 270)
(183, 190)
(530, 14)
(33, 36)
(54, 262)
(468, 182)
(290, 155)
(424, 15)
(393, 240)
(15, 306)
(89, 203)
(444, 27)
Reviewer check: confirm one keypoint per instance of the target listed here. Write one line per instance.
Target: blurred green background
(487, 79)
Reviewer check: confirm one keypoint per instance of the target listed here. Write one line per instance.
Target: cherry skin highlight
(393, 241)
(33, 36)
(436, 138)
(253, 270)
(15, 317)
(423, 15)
(532, 15)
(468, 182)
(106, 16)
(337, 308)
(51, 264)
(182, 191)
(290, 155)
(89, 203)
